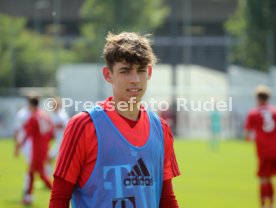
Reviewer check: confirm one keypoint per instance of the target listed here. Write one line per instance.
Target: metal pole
(56, 21)
(173, 60)
(39, 6)
(270, 47)
(187, 22)
(173, 52)
(187, 55)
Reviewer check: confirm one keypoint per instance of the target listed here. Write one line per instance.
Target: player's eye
(124, 71)
(142, 70)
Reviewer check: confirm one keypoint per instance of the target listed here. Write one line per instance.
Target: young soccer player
(21, 117)
(261, 122)
(118, 154)
(39, 130)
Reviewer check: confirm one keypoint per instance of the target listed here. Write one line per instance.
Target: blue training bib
(124, 176)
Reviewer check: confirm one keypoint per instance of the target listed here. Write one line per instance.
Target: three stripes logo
(139, 175)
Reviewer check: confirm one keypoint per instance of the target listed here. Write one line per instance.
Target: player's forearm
(168, 199)
(61, 193)
(59, 126)
(247, 135)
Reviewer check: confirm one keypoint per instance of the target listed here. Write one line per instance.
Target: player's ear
(149, 71)
(106, 74)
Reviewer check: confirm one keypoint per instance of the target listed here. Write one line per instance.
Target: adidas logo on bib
(139, 175)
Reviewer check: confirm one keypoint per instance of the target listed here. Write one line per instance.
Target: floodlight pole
(38, 7)
(187, 22)
(56, 22)
(270, 47)
(173, 60)
(173, 52)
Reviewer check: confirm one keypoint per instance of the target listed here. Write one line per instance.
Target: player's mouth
(134, 91)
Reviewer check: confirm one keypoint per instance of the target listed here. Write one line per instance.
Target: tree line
(30, 59)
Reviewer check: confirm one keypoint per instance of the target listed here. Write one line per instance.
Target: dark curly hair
(128, 47)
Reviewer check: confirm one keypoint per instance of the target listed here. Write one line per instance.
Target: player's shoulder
(80, 123)
(253, 111)
(167, 132)
(80, 120)
(154, 115)
(265, 108)
(165, 126)
(272, 108)
(40, 114)
(163, 122)
(79, 117)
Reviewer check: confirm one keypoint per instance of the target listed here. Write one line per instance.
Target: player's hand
(17, 148)
(59, 126)
(249, 139)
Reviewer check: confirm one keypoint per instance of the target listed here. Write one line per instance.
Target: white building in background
(198, 89)
(196, 85)
(81, 83)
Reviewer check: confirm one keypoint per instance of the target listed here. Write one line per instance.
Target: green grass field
(210, 179)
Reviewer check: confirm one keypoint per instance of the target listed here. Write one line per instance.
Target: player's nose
(134, 77)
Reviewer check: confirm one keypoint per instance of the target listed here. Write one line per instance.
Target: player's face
(127, 80)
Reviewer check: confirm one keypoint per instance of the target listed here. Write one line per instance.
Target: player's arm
(248, 135)
(61, 193)
(168, 199)
(29, 127)
(17, 126)
(171, 170)
(70, 160)
(248, 127)
(59, 126)
(16, 143)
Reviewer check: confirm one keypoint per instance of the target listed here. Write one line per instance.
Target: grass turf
(224, 178)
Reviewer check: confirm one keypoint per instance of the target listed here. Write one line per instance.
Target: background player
(21, 117)
(39, 130)
(261, 123)
(113, 156)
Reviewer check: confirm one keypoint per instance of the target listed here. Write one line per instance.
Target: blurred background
(208, 50)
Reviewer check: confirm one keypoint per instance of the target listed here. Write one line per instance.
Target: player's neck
(262, 103)
(132, 114)
(33, 109)
(128, 109)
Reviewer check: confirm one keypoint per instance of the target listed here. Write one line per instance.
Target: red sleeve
(29, 128)
(168, 199)
(61, 193)
(73, 154)
(171, 169)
